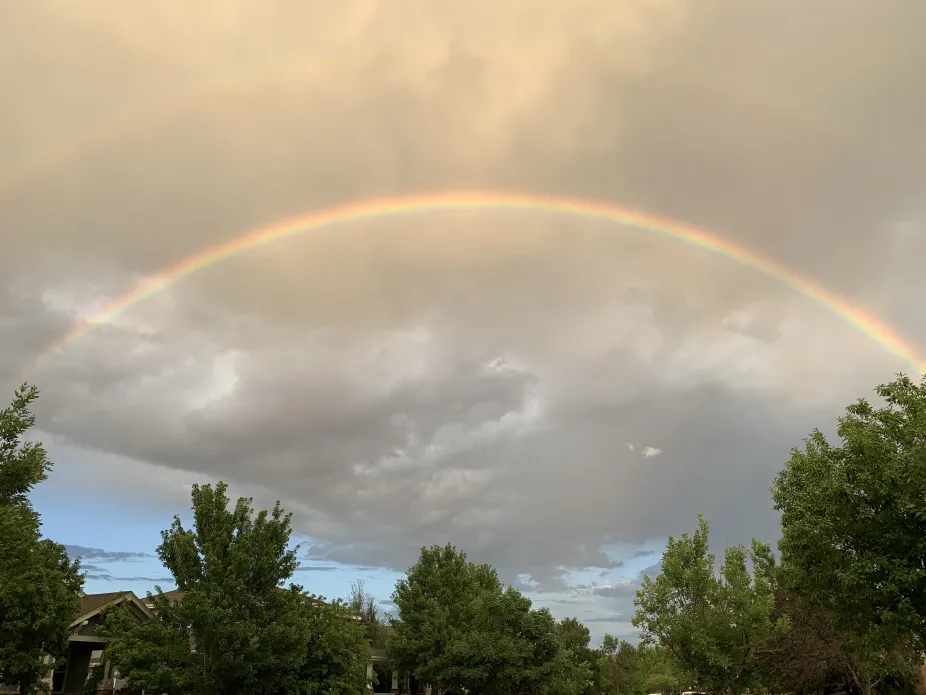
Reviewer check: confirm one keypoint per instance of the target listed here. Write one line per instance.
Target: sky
(554, 395)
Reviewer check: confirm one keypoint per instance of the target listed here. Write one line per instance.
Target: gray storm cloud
(469, 377)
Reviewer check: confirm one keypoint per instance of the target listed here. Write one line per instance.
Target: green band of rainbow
(378, 208)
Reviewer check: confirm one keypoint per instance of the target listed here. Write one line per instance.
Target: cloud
(317, 568)
(616, 590)
(642, 553)
(652, 570)
(100, 555)
(465, 377)
(106, 577)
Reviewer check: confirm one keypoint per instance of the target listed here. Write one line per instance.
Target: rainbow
(448, 201)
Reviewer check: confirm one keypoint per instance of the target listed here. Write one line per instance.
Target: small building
(86, 648)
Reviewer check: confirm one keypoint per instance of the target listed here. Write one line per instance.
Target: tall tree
(39, 584)
(713, 625)
(337, 652)
(234, 628)
(459, 628)
(809, 655)
(579, 662)
(364, 606)
(637, 670)
(853, 520)
(437, 603)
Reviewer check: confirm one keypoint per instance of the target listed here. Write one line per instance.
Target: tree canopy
(364, 606)
(853, 522)
(711, 623)
(234, 627)
(459, 628)
(39, 584)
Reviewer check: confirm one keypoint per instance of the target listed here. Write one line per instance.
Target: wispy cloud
(100, 555)
(317, 568)
(105, 577)
(642, 553)
(617, 590)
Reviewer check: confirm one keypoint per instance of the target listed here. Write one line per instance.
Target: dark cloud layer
(537, 390)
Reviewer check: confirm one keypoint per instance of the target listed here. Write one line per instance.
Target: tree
(637, 670)
(364, 606)
(436, 604)
(577, 668)
(853, 520)
(806, 657)
(39, 584)
(459, 628)
(337, 653)
(234, 628)
(713, 626)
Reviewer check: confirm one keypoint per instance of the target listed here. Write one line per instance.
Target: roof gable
(93, 604)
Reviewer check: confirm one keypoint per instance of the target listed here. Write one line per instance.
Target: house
(86, 650)
(388, 680)
(86, 647)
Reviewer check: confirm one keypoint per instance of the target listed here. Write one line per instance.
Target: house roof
(92, 604)
(175, 595)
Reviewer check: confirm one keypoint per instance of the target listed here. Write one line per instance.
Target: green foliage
(337, 653)
(577, 665)
(436, 604)
(625, 669)
(854, 527)
(712, 625)
(234, 628)
(155, 655)
(459, 628)
(94, 678)
(39, 585)
(809, 655)
(364, 605)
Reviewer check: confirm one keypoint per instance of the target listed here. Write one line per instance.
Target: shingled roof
(90, 602)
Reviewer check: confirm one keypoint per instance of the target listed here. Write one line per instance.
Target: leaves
(854, 524)
(712, 625)
(234, 627)
(39, 584)
(363, 605)
(459, 628)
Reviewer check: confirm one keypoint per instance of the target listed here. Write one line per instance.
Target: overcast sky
(555, 396)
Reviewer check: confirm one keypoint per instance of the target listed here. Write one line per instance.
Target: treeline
(843, 608)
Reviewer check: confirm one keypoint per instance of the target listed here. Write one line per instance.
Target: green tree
(809, 655)
(637, 670)
(364, 606)
(234, 628)
(39, 584)
(853, 519)
(577, 667)
(436, 604)
(459, 628)
(712, 625)
(337, 652)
